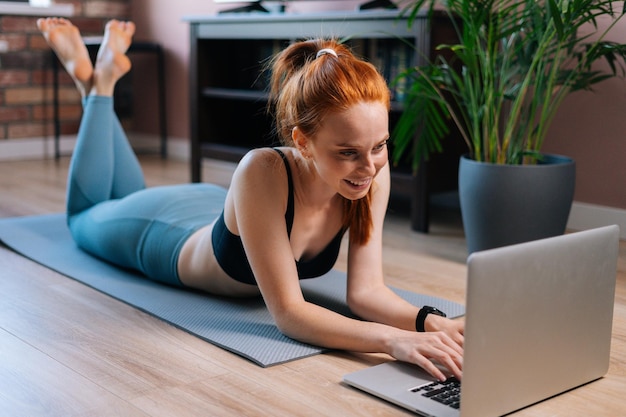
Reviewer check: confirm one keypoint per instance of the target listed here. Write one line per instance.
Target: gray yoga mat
(242, 326)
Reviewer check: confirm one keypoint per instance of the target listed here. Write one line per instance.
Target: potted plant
(501, 85)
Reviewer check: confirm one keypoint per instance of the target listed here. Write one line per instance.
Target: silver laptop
(538, 322)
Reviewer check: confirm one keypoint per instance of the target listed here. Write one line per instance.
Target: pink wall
(161, 21)
(589, 127)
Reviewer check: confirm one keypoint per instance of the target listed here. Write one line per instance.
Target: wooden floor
(67, 350)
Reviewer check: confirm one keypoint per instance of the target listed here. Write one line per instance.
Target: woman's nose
(367, 163)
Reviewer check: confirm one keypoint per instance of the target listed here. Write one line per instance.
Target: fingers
(449, 355)
(436, 352)
(454, 366)
(430, 367)
(450, 365)
(443, 350)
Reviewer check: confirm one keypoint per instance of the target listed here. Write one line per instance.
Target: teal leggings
(110, 212)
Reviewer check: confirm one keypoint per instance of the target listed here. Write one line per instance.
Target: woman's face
(350, 148)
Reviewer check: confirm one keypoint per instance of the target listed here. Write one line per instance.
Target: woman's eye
(381, 146)
(348, 153)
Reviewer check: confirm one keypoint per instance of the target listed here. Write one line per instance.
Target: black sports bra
(231, 256)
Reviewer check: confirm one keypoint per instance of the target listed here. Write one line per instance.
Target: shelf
(259, 96)
(25, 9)
(375, 24)
(235, 94)
(224, 152)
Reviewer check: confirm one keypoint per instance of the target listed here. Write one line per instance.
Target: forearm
(385, 306)
(310, 323)
(382, 305)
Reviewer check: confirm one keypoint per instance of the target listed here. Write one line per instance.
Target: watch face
(433, 310)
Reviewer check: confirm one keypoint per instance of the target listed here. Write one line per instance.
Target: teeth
(357, 183)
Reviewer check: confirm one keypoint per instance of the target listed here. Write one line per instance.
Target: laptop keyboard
(447, 392)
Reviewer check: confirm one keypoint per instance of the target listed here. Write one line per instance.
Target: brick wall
(26, 76)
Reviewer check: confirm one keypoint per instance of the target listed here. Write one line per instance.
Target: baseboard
(43, 148)
(178, 149)
(34, 148)
(585, 216)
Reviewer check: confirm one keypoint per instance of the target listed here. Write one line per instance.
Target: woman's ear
(301, 142)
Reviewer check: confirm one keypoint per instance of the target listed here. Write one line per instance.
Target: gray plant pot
(506, 204)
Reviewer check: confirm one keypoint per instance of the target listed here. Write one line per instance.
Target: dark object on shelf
(123, 101)
(254, 6)
(378, 4)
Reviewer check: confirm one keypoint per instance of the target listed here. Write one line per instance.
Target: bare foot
(112, 62)
(64, 38)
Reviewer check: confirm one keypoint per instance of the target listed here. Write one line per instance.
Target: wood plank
(34, 384)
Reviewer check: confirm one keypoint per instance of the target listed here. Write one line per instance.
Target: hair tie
(326, 51)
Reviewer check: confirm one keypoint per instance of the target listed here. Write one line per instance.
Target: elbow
(363, 301)
(300, 321)
(357, 305)
(287, 321)
(283, 325)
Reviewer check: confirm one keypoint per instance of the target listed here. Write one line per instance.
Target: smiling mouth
(360, 183)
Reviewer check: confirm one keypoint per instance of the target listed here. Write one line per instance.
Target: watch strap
(423, 313)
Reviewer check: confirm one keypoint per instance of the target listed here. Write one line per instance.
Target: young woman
(284, 215)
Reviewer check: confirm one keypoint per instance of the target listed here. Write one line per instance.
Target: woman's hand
(453, 328)
(424, 348)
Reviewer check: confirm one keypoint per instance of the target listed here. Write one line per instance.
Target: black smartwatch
(421, 316)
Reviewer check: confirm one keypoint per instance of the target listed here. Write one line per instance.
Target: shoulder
(260, 163)
(382, 183)
(260, 159)
(380, 196)
(260, 171)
